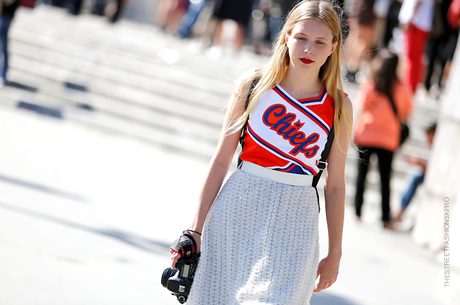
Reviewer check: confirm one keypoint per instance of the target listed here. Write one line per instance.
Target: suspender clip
(322, 165)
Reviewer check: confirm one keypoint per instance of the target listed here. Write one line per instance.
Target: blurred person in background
(58, 3)
(417, 177)
(453, 14)
(440, 48)
(113, 10)
(359, 40)
(189, 19)
(98, 7)
(8, 9)
(75, 7)
(260, 32)
(377, 130)
(236, 10)
(169, 14)
(416, 19)
(382, 13)
(392, 22)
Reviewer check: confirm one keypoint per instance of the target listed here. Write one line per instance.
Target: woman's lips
(306, 61)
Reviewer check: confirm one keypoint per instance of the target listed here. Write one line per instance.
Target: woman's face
(310, 44)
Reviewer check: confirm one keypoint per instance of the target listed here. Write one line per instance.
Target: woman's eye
(301, 38)
(320, 43)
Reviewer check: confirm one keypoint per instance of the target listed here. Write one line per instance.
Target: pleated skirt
(259, 246)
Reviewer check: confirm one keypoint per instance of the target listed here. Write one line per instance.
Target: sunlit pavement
(87, 218)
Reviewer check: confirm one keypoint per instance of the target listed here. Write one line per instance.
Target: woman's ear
(286, 37)
(334, 45)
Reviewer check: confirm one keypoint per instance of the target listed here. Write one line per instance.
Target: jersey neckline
(318, 98)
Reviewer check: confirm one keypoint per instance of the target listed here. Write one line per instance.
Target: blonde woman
(260, 232)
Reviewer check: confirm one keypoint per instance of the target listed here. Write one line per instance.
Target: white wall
(438, 219)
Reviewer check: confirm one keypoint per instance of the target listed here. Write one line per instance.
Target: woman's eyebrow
(319, 37)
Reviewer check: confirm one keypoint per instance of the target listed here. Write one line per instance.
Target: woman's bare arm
(219, 165)
(334, 191)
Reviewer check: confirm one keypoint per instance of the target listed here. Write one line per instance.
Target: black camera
(180, 279)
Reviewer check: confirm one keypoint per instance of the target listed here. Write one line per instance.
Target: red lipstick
(306, 61)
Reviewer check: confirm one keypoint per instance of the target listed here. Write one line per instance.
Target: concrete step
(85, 73)
(138, 72)
(57, 95)
(118, 91)
(131, 38)
(9, 97)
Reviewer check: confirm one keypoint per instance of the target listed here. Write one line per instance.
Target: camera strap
(185, 245)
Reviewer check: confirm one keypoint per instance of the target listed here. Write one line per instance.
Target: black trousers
(385, 159)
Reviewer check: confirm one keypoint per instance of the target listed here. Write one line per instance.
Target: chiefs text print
(286, 134)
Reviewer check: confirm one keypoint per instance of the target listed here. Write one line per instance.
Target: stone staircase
(133, 80)
(122, 78)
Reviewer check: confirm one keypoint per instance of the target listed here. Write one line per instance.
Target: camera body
(179, 280)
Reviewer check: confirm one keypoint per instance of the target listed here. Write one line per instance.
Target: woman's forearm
(208, 193)
(335, 210)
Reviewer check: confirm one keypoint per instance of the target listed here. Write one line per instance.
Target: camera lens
(182, 299)
(167, 273)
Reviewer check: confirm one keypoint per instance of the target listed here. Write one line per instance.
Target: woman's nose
(308, 48)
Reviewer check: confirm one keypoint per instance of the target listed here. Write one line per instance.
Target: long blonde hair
(274, 71)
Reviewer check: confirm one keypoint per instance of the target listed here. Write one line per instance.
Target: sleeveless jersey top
(286, 134)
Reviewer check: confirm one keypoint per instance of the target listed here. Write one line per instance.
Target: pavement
(87, 217)
(88, 209)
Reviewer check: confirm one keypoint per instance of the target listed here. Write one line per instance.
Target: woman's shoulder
(243, 83)
(348, 105)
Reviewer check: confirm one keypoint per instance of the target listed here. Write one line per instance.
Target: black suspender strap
(322, 163)
(243, 131)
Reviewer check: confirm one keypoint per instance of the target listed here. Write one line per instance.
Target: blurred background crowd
(423, 33)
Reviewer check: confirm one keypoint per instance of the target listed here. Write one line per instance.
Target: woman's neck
(301, 85)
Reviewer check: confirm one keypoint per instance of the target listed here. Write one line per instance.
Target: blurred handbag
(403, 125)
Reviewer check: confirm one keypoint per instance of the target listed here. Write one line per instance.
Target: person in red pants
(415, 19)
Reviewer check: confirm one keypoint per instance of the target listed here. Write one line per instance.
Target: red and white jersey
(286, 134)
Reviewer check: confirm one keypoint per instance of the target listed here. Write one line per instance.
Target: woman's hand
(175, 256)
(328, 270)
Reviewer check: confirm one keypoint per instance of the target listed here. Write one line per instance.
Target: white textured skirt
(259, 245)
